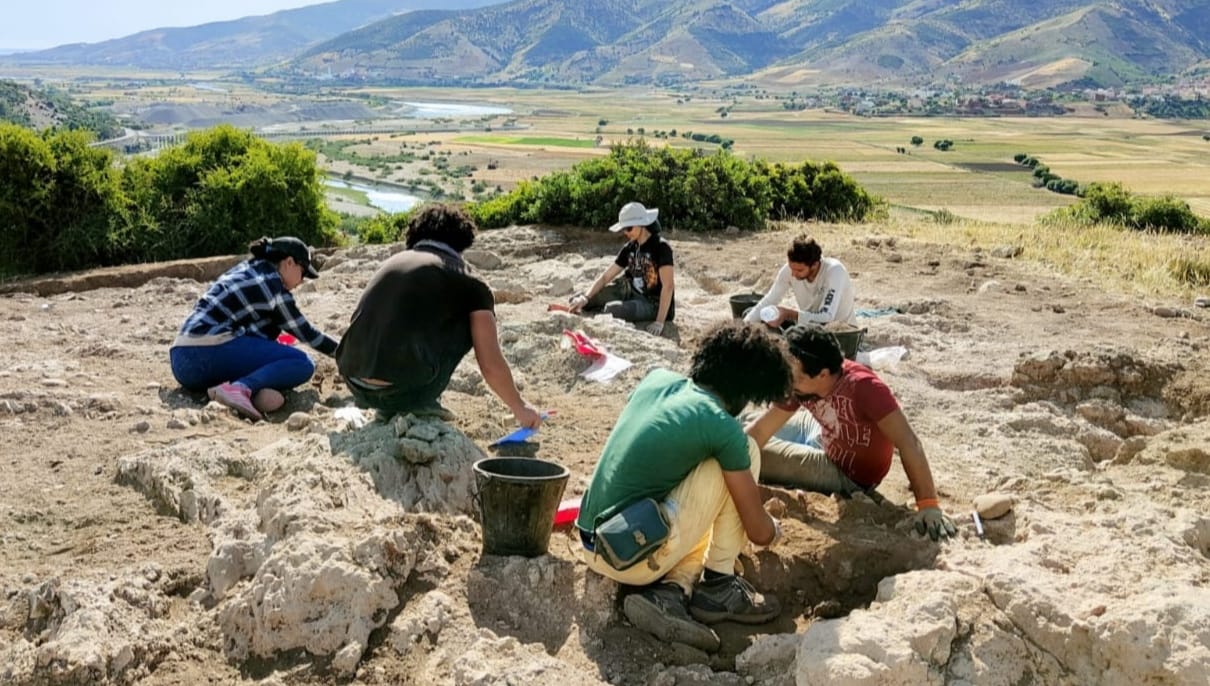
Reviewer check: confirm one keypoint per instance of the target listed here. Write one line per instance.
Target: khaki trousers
(705, 531)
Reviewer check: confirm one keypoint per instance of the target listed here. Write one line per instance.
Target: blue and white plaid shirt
(251, 300)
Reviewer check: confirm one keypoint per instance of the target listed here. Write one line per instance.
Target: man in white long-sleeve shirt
(822, 289)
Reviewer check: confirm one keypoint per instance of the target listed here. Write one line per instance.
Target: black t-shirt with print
(641, 265)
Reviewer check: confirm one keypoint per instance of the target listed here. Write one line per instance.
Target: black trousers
(404, 398)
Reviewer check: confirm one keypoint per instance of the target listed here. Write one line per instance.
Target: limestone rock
(482, 259)
(993, 505)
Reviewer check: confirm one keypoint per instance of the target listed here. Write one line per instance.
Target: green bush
(1164, 213)
(224, 188)
(61, 203)
(384, 228)
(693, 191)
(65, 205)
(1063, 186)
(1112, 204)
(944, 217)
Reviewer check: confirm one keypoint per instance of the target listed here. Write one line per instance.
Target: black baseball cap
(294, 247)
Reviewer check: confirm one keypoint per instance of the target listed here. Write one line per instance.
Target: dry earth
(150, 538)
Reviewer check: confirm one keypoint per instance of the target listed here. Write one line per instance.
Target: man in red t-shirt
(859, 423)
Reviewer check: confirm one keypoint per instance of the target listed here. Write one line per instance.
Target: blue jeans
(249, 360)
(794, 456)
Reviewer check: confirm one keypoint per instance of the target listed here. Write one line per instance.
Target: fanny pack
(627, 536)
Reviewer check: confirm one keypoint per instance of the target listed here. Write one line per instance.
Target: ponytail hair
(260, 248)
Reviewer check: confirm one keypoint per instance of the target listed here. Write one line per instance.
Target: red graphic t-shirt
(848, 418)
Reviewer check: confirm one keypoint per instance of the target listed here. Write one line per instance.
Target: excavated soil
(151, 538)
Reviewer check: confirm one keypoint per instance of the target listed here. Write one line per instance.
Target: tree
(917, 141)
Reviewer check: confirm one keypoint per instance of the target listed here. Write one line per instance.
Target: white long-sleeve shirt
(829, 298)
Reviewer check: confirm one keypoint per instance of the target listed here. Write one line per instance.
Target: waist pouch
(630, 535)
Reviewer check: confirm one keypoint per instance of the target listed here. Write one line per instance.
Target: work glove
(578, 302)
(655, 328)
(932, 521)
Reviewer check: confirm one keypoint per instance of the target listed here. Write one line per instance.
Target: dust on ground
(149, 537)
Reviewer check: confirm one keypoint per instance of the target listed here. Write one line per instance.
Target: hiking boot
(236, 396)
(659, 610)
(731, 598)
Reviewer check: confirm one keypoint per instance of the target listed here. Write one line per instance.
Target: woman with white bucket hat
(645, 291)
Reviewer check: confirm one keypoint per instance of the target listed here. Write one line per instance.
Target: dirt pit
(153, 538)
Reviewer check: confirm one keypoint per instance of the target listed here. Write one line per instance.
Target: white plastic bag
(886, 358)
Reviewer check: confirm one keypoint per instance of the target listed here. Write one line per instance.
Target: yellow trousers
(705, 531)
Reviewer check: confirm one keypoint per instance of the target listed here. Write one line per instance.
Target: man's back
(668, 427)
(415, 310)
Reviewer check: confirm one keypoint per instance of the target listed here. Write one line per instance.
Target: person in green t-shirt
(678, 441)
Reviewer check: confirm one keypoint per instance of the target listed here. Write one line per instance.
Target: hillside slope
(245, 42)
(42, 110)
(846, 41)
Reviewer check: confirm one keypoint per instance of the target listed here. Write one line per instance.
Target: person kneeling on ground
(646, 291)
(227, 345)
(839, 430)
(678, 441)
(420, 314)
(821, 285)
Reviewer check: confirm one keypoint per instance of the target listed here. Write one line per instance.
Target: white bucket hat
(634, 214)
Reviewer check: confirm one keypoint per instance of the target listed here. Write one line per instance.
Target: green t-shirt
(668, 427)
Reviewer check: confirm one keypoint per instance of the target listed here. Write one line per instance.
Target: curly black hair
(815, 348)
(742, 364)
(449, 224)
(804, 250)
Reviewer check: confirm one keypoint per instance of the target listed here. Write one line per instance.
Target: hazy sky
(32, 24)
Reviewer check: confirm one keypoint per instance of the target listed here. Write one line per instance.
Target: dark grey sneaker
(731, 598)
(660, 610)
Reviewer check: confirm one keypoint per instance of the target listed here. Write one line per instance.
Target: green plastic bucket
(849, 341)
(742, 301)
(518, 497)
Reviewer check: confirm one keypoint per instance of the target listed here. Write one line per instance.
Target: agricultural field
(976, 179)
(541, 131)
(483, 142)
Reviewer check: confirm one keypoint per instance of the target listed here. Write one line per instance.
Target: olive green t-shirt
(669, 426)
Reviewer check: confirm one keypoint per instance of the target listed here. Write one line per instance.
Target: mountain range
(770, 42)
(239, 43)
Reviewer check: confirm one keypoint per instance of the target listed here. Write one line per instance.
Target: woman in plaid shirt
(228, 344)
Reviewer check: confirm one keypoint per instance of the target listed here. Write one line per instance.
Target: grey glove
(655, 328)
(932, 521)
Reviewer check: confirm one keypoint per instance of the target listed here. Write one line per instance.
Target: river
(385, 199)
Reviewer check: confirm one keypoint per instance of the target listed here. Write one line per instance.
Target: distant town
(1185, 100)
